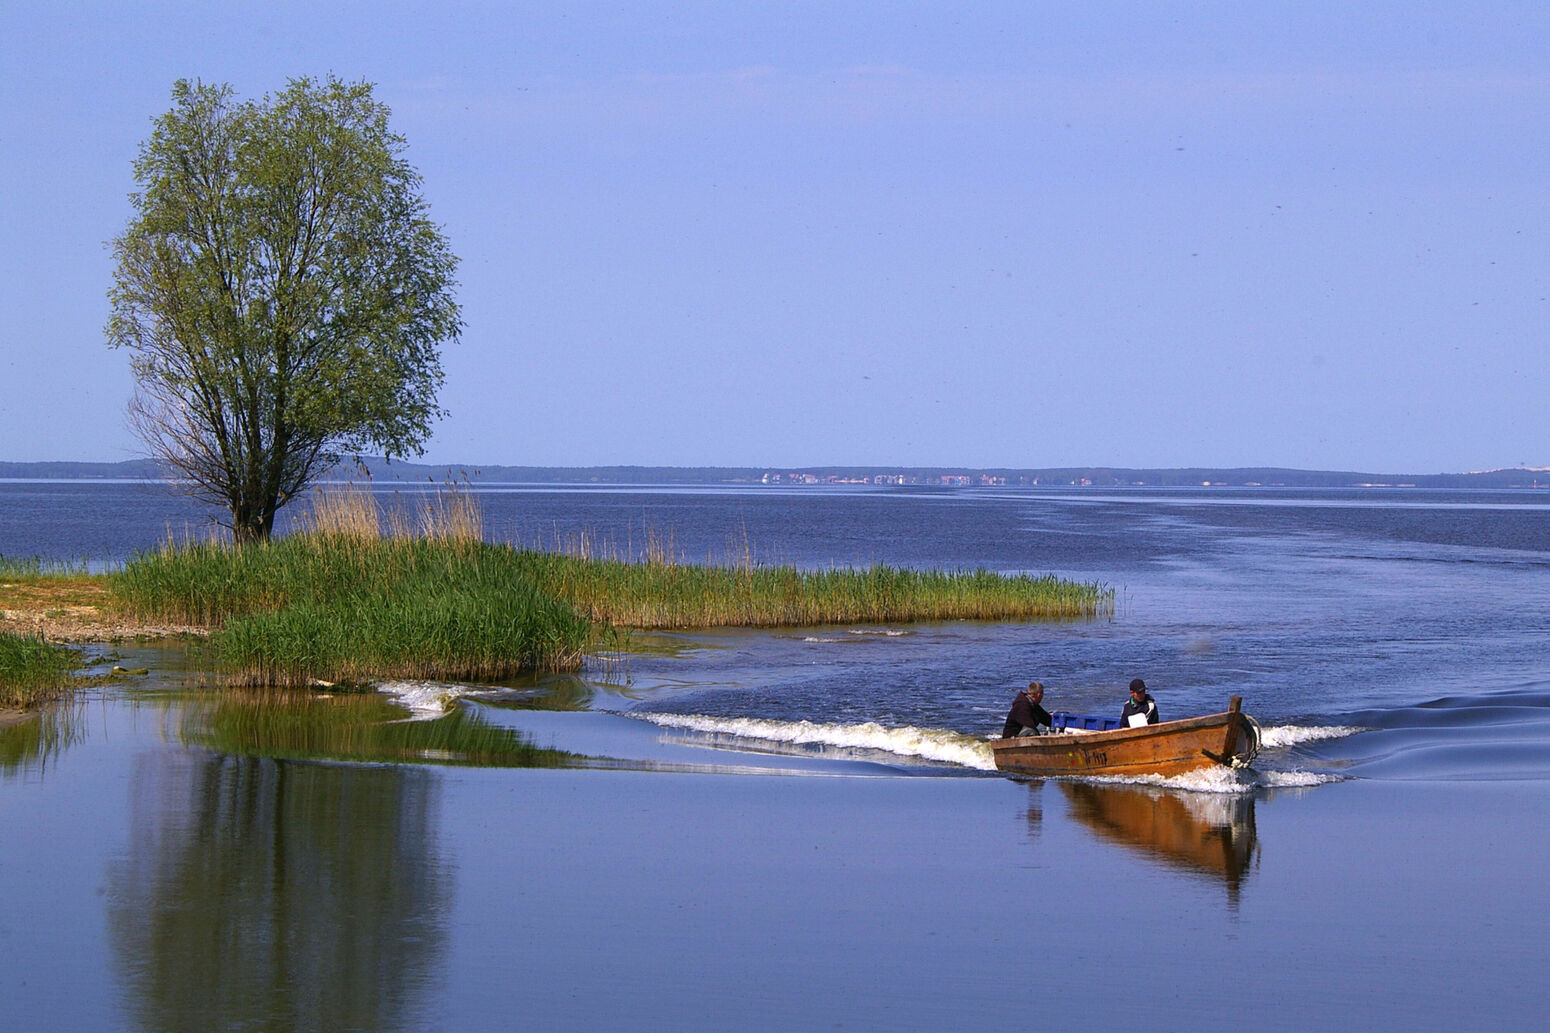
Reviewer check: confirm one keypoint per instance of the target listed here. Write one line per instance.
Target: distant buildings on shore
(967, 480)
(380, 471)
(1145, 479)
(946, 480)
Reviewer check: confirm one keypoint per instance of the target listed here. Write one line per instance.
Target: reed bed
(34, 568)
(351, 597)
(663, 595)
(339, 608)
(435, 634)
(32, 670)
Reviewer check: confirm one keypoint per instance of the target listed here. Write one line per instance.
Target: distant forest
(383, 471)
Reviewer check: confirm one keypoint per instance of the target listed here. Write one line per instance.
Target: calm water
(1381, 869)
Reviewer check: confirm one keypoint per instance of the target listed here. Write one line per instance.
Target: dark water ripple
(1493, 736)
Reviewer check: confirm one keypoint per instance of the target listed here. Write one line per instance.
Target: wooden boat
(1167, 748)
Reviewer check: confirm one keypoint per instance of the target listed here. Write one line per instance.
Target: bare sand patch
(74, 609)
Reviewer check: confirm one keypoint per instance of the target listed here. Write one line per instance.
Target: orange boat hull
(1166, 748)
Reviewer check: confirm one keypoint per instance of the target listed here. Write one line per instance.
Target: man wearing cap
(1027, 715)
(1140, 708)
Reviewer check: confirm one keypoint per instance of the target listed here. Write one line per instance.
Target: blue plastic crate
(1083, 722)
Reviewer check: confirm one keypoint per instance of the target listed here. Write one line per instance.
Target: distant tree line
(380, 470)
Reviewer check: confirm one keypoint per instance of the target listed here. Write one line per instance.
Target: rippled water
(1381, 868)
(1337, 610)
(1419, 615)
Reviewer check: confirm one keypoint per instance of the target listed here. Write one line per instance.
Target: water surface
(795, 829)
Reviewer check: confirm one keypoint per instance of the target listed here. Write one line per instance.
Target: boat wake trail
(424, 699)
(1282, 736)
(955, 748)
(931, 744)
(1283, 747)
(1224, 780)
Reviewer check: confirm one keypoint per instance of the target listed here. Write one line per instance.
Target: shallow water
(795, 829)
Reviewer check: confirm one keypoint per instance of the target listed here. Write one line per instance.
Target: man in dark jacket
(1140, 708)
(1027, 715)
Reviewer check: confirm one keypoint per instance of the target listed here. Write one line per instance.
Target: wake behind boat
(1167, 748)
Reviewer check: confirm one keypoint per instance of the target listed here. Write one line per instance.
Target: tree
(282, 291)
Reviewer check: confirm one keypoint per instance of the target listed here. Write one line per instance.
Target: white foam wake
(855, 634)
(425, 699)
(926, 743)
(1295, 735)
(1218, 779)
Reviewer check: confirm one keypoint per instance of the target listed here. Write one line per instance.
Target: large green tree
(282, 290)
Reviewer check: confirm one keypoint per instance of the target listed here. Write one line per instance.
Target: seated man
(1140, 708)
(1027, 715)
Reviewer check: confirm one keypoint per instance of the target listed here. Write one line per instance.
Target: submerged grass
(32, 670)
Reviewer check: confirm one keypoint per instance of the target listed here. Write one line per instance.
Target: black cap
(1138, 685)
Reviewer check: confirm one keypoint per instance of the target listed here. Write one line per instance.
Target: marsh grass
(665, 595)
(646, 585)
(33, 568)
(350, 597)
(32, 670)
(339, 608)
(359, 728)
(341, 511)
(350, 511)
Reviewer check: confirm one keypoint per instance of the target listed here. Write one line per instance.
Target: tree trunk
(251, 521)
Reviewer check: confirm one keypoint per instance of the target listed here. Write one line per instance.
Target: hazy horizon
(876, 468)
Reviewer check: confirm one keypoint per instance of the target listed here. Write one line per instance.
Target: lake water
(796, 829)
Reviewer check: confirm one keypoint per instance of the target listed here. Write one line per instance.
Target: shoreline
(74, 612)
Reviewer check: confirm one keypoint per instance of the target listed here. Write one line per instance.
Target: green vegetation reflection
(357, 727)
(29, 743)
(256, 894)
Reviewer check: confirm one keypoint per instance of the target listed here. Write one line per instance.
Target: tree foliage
(282, 290)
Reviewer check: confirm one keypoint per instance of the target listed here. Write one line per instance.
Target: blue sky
(1023, 234)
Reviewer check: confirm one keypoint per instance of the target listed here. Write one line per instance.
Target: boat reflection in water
(1211, 834)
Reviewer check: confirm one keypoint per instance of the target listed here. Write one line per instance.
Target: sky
(1003, 234)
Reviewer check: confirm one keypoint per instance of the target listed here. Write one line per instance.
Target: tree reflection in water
(262, 894)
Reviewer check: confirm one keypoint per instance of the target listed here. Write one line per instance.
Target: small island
(356, 596)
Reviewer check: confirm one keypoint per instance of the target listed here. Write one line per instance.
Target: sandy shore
(74, 610)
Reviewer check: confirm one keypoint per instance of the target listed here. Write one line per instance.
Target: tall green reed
(350, 596)
(32, 670)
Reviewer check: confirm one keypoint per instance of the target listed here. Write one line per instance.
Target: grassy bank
(32, 671)
(33, 568)
(343, 609)
(663, 595)
(354, 596)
